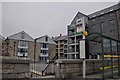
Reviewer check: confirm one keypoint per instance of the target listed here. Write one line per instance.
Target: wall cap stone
(16, 60)
(74, 61)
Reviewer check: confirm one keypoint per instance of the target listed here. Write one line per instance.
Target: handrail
(55, 57)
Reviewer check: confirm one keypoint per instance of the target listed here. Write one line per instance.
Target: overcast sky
(38, 19)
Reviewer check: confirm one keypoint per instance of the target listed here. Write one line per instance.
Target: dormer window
(22, 35)
(46, 38)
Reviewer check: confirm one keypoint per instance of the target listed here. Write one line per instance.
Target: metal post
(57, 70)
(111, 57)
(118, 58)
(102, 51)
(102, 58)
(84, 68)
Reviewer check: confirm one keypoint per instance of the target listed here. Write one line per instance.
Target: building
(45, 49)
(61, 45)
(20, 45)
(75, 29)
(2, 42)
(106, 22)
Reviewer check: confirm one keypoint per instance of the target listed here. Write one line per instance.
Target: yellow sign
(108, 67)
(111, 56)
(85, 33)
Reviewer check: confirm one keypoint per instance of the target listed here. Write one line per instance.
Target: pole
(84, 69)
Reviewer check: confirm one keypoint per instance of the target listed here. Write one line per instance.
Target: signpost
(81, 30)
(82, 56)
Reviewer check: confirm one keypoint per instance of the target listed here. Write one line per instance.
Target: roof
(97, 37)
(104, 11)
(1, 37)
(79, 15)
(42, 40)
(17, 36)
(55, 38)
(60, 38)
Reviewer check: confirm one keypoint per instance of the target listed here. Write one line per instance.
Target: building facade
(45, 49)
(20, 45)
(2, 44)
(75, 29)
(106, 22)
(61, 46)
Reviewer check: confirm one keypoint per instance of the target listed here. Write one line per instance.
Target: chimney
(60, 35)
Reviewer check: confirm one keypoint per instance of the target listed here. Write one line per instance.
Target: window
(93, 26)
(101, 17)
(44, 52)
(112, 32)
(93, 20)
(44, 45)
(46, 38)
(111, 14)
(102, 24)
(22, 35)
(111, 22)
(23, 43)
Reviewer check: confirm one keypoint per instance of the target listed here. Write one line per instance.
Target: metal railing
(46, 70)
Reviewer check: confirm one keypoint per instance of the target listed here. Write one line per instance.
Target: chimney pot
(60, 34)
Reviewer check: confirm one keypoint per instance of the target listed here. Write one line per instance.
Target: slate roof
(17, 36)
(1, 37)
(60, 38)
(104, 11)
(42, 40)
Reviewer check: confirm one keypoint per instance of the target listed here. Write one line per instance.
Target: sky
(44, 18)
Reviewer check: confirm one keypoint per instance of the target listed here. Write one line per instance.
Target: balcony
(65, 42)
(71, 50)
(71, 42)
(43, 54)
(44, 48)
(65, 51)
(61, 51)
(61, 42)
(71, 26)
(71, 33)
(65, 48)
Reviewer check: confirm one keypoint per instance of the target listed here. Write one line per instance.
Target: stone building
(106, 22)
(2, 44)
(61, 45)
(20, 45)
(45, 49)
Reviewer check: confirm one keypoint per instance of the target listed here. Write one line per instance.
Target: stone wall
(118, 21)
(15, 67)
(52, 51)
(12, 51)
(38, 49)
(69, 68)
(30, 50)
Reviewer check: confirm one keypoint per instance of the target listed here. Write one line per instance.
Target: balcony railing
(71, 26)
(71, 42)
(71, 50)
(71, 33)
